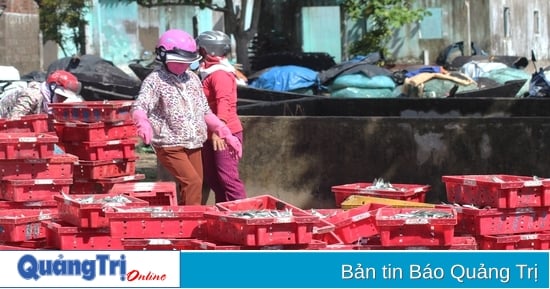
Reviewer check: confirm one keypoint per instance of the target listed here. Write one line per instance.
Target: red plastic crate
(406, 192)
(12, 248)
(497, 191)
(55, 167)
(34, 244)
(354, 224)
(33, 189)
(64, 236)
(156, 193)
(94, 170)
(502, 221)
(159, 244)
(416, 226)
(535, 241)
(18, 225)
(459, 243)
(88, 211)
(92, 111)
(263, 202)
(29, 145)
(324, 230)
(101, 186)
(27, 123)
(227, 227)
(94, 131)
(103, 150)
(158, 222)
(43, 204)
(206, 245)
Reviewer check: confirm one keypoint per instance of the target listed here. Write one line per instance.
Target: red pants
(186, 167)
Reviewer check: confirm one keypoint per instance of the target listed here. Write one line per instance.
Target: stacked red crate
(32, 173)
(502, 212)
(102, 135)
(82, 223)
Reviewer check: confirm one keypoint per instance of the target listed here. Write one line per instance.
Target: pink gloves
(144, 129)
(217, 126)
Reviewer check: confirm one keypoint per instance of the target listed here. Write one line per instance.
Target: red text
(135, 275)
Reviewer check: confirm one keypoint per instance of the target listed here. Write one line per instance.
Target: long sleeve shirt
(220, 87)
(25, 101)
(175, 106)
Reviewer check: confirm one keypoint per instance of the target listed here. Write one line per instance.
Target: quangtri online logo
(141, 269)
(29, 267)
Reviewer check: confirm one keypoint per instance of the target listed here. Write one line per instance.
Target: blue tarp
(286, 78)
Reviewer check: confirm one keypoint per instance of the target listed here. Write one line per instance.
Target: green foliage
(383, 18)
(59, 16)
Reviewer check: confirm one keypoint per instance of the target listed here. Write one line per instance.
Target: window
(536, 22)
(506, 22)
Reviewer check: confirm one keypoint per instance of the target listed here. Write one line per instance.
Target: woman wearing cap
(60, 86)
(219, 80)
(171, 113)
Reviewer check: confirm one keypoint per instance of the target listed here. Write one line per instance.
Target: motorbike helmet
(214, 43)
(64, 83)
(176, 45)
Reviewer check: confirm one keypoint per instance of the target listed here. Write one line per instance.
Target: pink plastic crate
(88, 211)
(416, 226)
(231, 227)
(18, 225)
(158, 222)
(207, 245)
(535, 241)
(159, 244)
(64, 236)
(56, 167)
(497, 191)
(502, 221)
(92, 111)
(26, 145)
(406, 192)
(28, 123)
(263, 202)
(94, 170)
(95, 131)
(156, 193)
(103, 150)
(101, 186)
(33, 189)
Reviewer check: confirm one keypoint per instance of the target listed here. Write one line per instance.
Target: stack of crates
(82, 224)
(503, 212)
(32, 173)
(103, 137)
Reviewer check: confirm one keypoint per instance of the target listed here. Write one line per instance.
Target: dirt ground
(147, 164)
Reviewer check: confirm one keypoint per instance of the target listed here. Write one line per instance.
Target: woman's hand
(218, 143)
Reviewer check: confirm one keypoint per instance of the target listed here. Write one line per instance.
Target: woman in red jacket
(221, 170)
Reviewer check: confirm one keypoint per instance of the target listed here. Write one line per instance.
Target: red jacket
(220, 87)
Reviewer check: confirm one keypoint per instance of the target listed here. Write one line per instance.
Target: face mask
(177, 68)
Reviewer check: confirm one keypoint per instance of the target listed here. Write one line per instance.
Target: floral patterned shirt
(175, 106)
(23, 101)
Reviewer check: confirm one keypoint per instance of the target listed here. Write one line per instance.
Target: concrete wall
(299, 158)
(20, 44)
